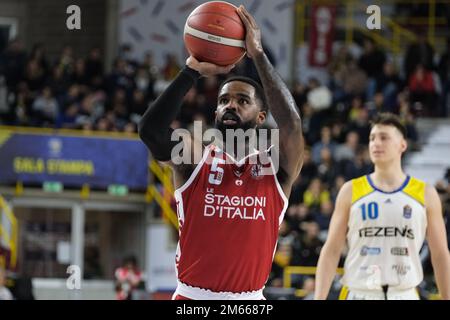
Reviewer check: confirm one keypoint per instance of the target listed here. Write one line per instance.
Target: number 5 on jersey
(216, 174)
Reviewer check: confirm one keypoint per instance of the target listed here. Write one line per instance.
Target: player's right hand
(207, 69)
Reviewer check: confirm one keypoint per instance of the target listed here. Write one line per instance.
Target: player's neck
(388, 177)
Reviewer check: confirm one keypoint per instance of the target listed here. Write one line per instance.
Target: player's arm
(280, 101)
(154, 127)
(332, 249)
(437, 241)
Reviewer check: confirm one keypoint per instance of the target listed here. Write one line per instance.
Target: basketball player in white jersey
(384, 217)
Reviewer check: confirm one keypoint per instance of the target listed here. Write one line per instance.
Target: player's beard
(222, 127)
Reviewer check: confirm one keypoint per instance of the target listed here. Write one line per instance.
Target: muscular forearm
(154, 127)
(441, 267)
(326, 271)
(279, 98)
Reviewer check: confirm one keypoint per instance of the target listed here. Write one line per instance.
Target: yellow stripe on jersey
(416, 190)
(360, 188)
(343, 294)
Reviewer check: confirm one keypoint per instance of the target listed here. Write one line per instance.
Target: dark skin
(240, 98)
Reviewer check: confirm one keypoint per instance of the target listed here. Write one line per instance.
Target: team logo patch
(407, 212)
(256, 172)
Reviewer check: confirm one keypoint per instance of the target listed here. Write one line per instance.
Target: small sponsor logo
(401, 269)
(214, 38)
(388, 201)
(239, 183)
(370, 251)
(256, 172)
(407, 212)
(399, 251)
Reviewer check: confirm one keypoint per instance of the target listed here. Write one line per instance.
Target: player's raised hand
(207, 69)
(253, 41)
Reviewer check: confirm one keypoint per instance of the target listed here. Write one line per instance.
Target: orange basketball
(215, 33)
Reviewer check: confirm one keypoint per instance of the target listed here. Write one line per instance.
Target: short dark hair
(259, 91)
(390, 119)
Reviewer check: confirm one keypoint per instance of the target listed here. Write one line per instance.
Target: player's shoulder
(345, 193)
(417, 189)
(431, 196)
(359, 188)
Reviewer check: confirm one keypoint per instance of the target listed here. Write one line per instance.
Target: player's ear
(404, 145)
(262, 115)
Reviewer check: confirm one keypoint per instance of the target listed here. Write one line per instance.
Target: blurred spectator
(66, 60)
(327, 168)
(21, 105)
(299, 93)
(325, 142)
(13, 63)
(139, 103)
(388, 83)
(283, 253)
(315, 195)
(150, 66)
(79, 75)
(355, 106)
(296, 215)
(361, 125)
(408, 120)
(360, 166)
(347, 151)
(5, 294)
(94, 65)
(372, 59)
(309, 171)
(319, 96)
(34, 75)
(418, 53)
(308, 246)
(444, 73)
(338, 183)
(311, 123)
(38, 55)
(121, 77)
(424, 87)
(45, 107)
(338, 133)
(351, 80)
(323, 216)
(171, 67)
(128, 277)
(377, 105)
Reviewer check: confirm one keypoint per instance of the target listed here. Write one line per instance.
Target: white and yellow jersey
(386, 231)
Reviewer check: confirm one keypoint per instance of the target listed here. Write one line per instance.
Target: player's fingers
(249, 17)
(243, 17)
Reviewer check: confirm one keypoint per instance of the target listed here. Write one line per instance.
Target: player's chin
(378, 159)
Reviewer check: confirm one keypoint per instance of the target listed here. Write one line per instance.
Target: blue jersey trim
(405, 183)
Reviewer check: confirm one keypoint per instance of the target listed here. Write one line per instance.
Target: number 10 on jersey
(369, 211)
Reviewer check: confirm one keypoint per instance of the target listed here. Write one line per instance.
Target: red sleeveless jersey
(229, 217)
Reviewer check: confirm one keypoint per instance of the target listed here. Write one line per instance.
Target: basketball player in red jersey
(229, 215)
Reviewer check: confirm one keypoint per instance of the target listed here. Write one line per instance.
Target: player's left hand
(253, 41)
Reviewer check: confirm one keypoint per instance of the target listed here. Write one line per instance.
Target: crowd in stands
(75, 92)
